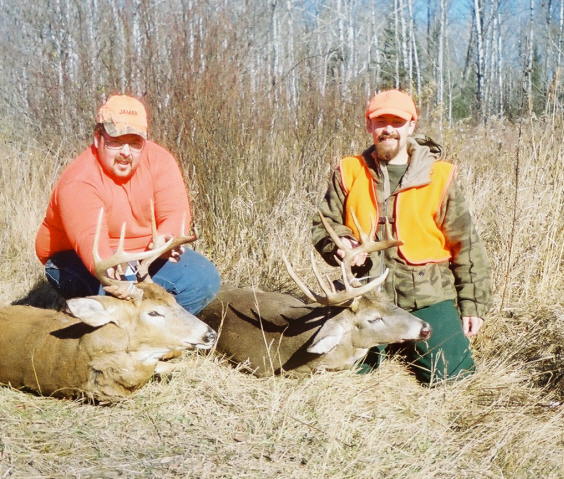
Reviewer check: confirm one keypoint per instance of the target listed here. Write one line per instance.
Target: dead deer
(272, 333)
(102, 348)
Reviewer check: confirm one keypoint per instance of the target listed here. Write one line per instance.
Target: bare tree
(282, 51)
(414, 55)
(440, 80)
(480, 56)
(529, 62)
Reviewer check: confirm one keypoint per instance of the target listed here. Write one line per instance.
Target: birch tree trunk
(440, 60)
(478, 18)
(414, 51)
(404, 39)
(341, 42)
(350, 50)
(92, 48)
(293, 88)
(275, 42)
(374, 52)
(137, 47)
(499, 62)
(397, 43)
(119, 46)
(488, 58)
(560, 38)
(530, 50)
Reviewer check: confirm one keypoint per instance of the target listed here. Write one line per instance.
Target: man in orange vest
(440, 272)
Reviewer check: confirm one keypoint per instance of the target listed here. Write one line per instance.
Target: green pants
(445, 355)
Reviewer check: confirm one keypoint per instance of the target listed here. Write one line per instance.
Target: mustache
(386, 136)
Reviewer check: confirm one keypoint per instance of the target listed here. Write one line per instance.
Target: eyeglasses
(393, 121)
(112, 143)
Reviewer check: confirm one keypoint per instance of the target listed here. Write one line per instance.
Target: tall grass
(254, 190)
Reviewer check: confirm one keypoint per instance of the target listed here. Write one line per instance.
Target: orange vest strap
(357, 181)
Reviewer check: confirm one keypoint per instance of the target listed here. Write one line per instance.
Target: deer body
(106, 350)
(107, 347)
(273, 332)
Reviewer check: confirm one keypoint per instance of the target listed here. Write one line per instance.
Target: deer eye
(155, 314)
(375, 320)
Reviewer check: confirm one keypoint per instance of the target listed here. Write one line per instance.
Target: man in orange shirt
(121, 172)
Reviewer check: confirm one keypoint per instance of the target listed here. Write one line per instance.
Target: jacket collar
(423, 152)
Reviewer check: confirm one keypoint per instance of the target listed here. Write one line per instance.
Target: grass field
(254, 194)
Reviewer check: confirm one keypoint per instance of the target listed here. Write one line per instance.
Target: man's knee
(210, 285)
(446, 355)
(437, 367)
(202, 272)
(194, 281)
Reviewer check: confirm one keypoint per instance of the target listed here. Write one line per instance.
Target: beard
(387, 152)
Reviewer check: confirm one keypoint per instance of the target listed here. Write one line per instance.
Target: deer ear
(89, 311)
(329, 335)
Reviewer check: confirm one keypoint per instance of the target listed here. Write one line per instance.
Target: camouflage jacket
(465, 278)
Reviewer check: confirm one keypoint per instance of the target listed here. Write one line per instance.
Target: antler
(121, 256)
(367, 245)
(143, 268)
(353, 287)
(331, 296)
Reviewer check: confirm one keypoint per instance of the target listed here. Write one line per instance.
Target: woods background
(461, 59)
(258, 99)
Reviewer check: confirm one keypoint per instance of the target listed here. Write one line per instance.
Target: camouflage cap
(123, 115)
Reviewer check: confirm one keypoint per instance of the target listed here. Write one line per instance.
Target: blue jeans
(194, 280)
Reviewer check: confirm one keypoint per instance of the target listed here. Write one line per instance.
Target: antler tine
(332, 297)
(353, 286)
(156, 252)
(355, 292)
(308, 292)
(328, 290)
(367, 242)
(349, 253)
(95, 246)
(336, 238)
(364, 238)
(367, 245)
(119, 257)
(347, 275)
(153, 221)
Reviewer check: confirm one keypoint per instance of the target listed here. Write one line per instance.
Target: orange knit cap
(123, 115)
(391, 102)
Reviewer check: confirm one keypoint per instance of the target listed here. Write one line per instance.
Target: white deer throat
(150, 356)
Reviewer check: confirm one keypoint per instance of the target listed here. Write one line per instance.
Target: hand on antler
(109, 271)
(173, 255)
(359, 258)
(353, 252)
(125, 290)
(115, 272)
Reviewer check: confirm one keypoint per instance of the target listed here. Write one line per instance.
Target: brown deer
(102, 348)
(272, 333)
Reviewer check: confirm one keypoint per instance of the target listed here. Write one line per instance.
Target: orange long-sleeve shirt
(84, 187)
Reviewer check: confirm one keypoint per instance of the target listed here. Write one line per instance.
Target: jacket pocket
(417, 287)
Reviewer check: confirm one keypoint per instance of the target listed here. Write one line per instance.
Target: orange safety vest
(415, 210)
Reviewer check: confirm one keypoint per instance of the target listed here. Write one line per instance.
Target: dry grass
(213, 421)
(254, 194)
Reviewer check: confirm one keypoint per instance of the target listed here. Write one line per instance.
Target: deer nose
(426, 331)
(210, 337)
